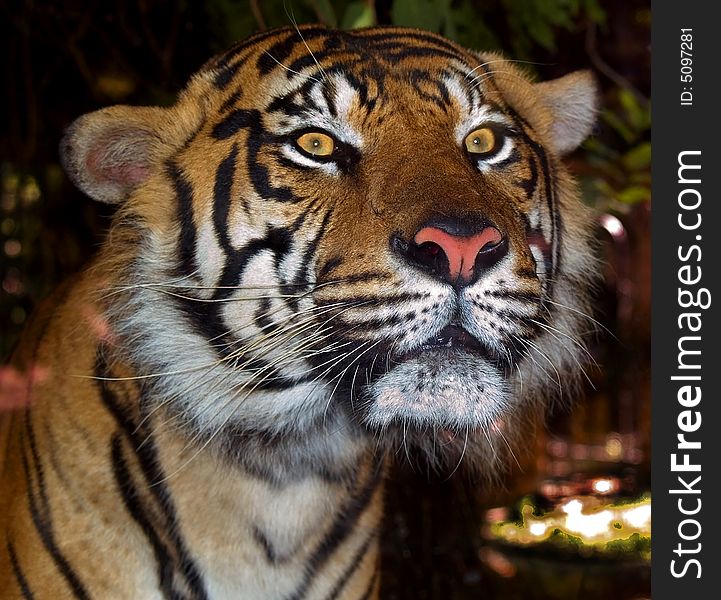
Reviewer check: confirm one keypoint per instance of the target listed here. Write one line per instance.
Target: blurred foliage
(619, 171)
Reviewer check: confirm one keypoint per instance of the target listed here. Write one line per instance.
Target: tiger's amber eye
(317, 144)
(481, 141)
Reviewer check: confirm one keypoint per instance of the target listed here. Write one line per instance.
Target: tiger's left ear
(573, 103)
(109, 152)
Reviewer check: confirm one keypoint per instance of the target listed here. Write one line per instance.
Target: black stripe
(279, 52)
(418, 78)
(224, 175)
(343, 525)
(280, 241)
(226, 58)
(274, 381)
(131, 498)
(329, 266)
(260, 175)
(287, 105)
(556, 234)
(225, 74)
(41, 516)
(276, 240)
(303, 276)
(330, 99)
(51, 442)
(18, 573)
(230, 101)
(376, 300)
(352, 567)
(146, 453)
(204, 318)
(515, 295)
(529, 185)
(187, 239)
(36, 462)
(238, 119)
(262, 540)
(372, 323)
(553, 211)
(399, 35)
(270, 554)
(443, 90)
(262, 319)
(305, 61)
(367, 277)
(511, 159)
(398, 52)
(301, 219)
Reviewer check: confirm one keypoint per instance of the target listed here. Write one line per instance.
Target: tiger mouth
(454, 336)
(452, 339)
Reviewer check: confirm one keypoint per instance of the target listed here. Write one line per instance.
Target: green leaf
(324, 10)
(543, 34)
(471, 29)
(594, 11)
(640, 178)
(423, 14)
(634, 194)
(617, 124)
(638, 115)
(358, 14)
(638, 158)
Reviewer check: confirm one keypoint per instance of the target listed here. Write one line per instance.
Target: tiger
(333, 245)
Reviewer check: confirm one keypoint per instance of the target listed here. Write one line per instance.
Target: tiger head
(347, 233)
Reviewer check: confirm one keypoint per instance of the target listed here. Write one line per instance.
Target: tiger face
(365, 233)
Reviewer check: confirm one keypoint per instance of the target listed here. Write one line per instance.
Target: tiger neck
(285, 503)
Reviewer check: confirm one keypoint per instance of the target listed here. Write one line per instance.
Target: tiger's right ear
(573, 102)
(109, 152)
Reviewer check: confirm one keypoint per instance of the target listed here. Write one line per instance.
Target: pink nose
(461, 251)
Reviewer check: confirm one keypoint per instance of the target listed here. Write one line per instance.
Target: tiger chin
(333, 244)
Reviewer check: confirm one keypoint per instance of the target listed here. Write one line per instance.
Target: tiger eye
(481, 141)
(317, 144)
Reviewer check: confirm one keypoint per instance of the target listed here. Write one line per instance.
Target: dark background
(61, 59)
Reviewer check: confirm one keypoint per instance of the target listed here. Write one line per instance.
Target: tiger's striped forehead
(317, 78)
(374, 56)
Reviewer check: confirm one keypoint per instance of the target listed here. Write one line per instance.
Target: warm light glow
(588, 525)
(603, 486)
(614, 226)
(572, 506)
(639, 517)
(614, 448)
(580, 522)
